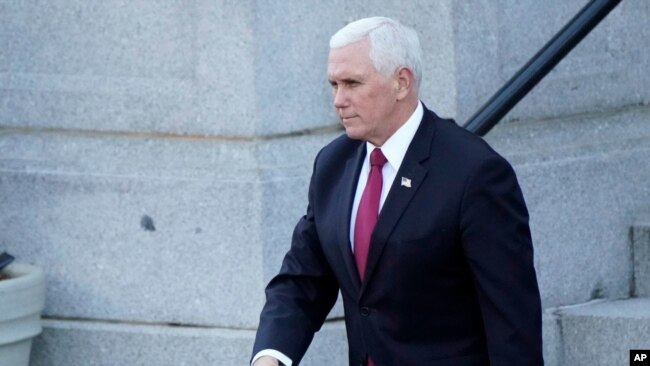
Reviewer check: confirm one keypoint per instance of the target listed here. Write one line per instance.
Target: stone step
(601, 332)
(641, 255)
(102, 343)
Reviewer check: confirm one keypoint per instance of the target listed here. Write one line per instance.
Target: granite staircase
(603, 331)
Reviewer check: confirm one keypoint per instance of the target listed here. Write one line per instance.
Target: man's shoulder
(460, 145)
(449, 130)
(341, 147)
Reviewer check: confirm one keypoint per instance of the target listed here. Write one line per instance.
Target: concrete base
(602, 332)
(74, 343)
(641, 254)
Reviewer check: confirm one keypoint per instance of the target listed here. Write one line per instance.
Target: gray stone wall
(154, 156)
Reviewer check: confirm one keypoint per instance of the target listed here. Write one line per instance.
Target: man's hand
(266, 361)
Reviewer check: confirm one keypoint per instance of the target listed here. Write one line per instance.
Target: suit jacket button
(365, 311)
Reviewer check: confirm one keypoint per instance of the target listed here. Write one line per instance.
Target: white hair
(392, 44)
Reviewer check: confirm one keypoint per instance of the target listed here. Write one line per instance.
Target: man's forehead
(345, 70)
(350, 59)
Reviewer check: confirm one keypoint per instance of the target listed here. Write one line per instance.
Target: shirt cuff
(275, 354)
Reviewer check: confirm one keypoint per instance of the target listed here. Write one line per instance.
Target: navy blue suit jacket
(449, 278)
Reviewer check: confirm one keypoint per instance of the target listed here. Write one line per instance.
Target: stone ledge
(641, 254)
(602, 332)
(81, 343)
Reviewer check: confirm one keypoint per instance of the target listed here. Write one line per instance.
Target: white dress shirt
(394, 150)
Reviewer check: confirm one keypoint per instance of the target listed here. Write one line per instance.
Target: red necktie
(368, 211)
(367, 214)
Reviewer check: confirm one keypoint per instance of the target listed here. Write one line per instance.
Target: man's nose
(340, 98)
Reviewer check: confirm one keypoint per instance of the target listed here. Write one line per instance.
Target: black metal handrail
(539, 65)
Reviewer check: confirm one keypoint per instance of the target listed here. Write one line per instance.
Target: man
(419, 224)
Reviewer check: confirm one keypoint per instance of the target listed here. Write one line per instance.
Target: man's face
(364, 99)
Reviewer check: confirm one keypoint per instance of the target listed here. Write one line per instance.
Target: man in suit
(419, 224)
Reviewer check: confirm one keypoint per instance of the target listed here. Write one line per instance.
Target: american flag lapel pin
(406, 182)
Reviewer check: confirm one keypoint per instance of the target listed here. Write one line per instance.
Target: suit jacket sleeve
(299, 298)
(497, 243)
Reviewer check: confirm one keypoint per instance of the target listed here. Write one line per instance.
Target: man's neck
(403, 112)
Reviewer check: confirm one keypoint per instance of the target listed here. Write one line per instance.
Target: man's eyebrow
(348, 79)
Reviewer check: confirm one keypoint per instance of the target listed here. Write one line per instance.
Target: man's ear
(404, 82)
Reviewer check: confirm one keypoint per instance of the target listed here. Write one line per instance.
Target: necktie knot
(377, 158)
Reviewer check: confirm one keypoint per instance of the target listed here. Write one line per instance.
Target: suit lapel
(400, 195)
(351, 177)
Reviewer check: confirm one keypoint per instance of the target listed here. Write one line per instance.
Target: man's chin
(355, 135)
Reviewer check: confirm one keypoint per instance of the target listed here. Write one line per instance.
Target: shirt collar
(395, 147)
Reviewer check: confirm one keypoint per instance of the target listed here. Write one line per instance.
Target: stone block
(641, 254)
(584, 179)
(285, 168)
(81, 343)
(291, 65)
(551, 338)
(204, 68)
(236, 69)
(476, 49)
(137, 249)
(184, 231)
(601, 333)
(166, 67)
(225, 78)
(136, 229)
